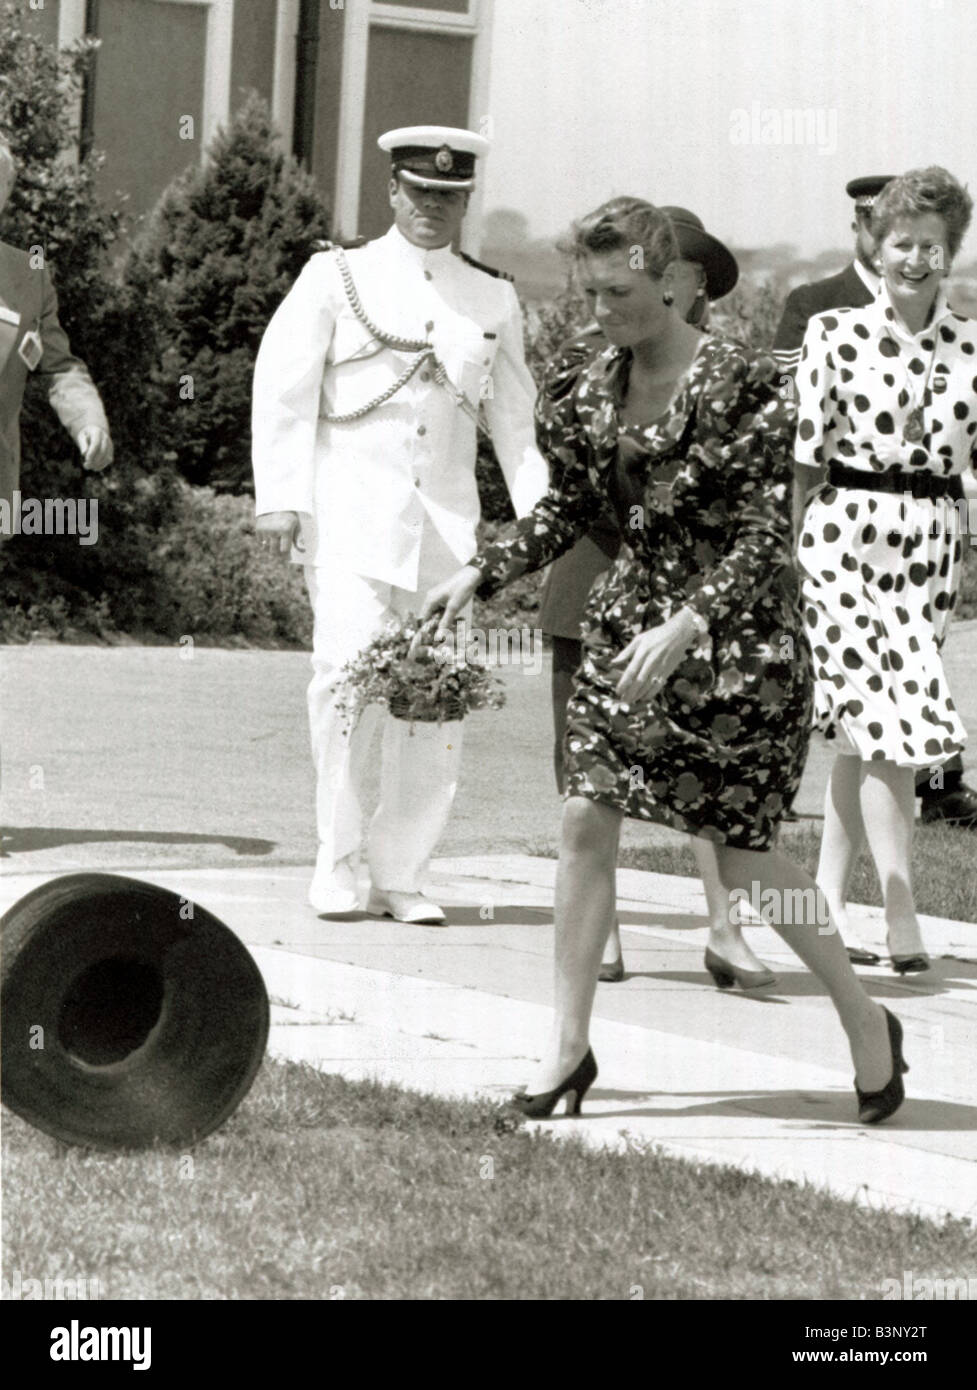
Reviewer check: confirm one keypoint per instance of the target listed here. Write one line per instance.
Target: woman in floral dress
(887, 427)
(706, 271)
(693, 701)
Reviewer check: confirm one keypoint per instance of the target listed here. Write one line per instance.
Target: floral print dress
(703, 500)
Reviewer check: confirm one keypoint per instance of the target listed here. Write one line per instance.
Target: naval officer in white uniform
(367, 388)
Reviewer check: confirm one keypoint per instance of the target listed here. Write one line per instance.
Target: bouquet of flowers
(436, 685)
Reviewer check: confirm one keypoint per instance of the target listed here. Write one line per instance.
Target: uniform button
(417, 482)
(425, 376)
(428, 275)
(422, 429)
(429, 326)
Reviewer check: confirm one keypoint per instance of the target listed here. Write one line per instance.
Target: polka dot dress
(880, 570)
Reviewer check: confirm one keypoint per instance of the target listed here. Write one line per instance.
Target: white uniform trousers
(419, 762)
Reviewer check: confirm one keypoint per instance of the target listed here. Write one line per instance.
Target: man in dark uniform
(33, 341)
(855, 286)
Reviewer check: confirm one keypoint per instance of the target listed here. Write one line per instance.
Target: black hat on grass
(130, 1015)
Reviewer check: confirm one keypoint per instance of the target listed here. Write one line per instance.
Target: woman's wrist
(693, 626)
(694, 619)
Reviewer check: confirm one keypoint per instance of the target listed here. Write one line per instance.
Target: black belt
(920, 484)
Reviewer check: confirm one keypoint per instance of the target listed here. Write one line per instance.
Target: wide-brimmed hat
(130, 1015)
(696, 244)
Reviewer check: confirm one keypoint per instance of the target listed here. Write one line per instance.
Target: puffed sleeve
(811, 384)
(562, 514)
(287, 383)
(509, 413)
(744, 429)
(559, 381)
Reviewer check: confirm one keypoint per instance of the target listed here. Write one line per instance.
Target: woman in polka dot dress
(887, 410)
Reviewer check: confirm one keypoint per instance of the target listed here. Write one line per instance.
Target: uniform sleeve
(791, 329)
(71, 391)
(561, 516)
(813, 380)
(287, 385)
(509, 412)
(745, 428)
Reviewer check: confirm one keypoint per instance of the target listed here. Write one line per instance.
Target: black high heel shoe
(726, 975)
(910, 965)
(612, 972)
(874, 1106)
(575, 1087)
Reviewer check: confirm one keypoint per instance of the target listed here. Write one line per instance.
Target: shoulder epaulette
(489, 269)
(339, 244)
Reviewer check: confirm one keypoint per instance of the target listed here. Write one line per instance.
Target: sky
(694, 102)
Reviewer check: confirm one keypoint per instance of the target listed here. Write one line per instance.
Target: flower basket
(436, 686)
(449, 708)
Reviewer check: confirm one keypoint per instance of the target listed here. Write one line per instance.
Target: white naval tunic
(388, 504)
(367, 486)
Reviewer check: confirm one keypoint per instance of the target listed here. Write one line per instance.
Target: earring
(668, 297)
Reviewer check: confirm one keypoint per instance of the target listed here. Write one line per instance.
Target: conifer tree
(225, 244)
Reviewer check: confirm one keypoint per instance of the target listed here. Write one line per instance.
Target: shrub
(751, 314)
(225, 243)
(213, 582)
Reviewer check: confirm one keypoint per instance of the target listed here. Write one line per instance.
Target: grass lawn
(321, 1188)
(944, 866)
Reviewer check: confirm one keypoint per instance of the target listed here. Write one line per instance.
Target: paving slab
(760, 1080)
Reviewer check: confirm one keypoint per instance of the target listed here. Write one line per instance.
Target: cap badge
(444, 160)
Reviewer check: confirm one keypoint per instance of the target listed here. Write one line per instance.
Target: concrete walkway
(762, 1081)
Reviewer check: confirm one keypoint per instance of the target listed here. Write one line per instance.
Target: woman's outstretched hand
(448, 599)
(651, 657)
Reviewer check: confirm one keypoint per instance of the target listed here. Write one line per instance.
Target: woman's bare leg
(888, 806)
(820, 947)
(561, 688)
(725, 933)
(585, 897)
(842, 838)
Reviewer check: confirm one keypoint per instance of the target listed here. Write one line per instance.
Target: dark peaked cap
(866, 189)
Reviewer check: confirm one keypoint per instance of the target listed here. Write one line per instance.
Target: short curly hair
(919, 192)
(623, 224)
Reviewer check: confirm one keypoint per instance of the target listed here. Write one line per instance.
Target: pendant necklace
(914, 427)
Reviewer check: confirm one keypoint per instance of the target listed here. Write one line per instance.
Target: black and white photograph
(488, 663)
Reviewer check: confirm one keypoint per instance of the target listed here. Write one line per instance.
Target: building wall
(253, 53)
(413, 78)
(149, 75)
(329, 77)
(44, 22)
(451, 6)
(379, 64)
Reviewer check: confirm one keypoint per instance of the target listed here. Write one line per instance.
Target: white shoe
(332, 892)
(405, 907)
